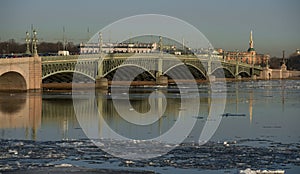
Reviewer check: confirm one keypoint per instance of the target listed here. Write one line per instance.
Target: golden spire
(251, 40)
(251, 49)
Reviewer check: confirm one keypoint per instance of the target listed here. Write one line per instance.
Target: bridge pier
(265, 74)
(212, 78)
(162, 80)
(102, 83)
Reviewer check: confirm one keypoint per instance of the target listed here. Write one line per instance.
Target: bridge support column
(238, 77)
(159, 67)
(162, 80)
(209, 63)
(265, 74)
(102, 83)
(35, 71)
(237, 66)
(253, 77)
(212, 78)
(100, 70)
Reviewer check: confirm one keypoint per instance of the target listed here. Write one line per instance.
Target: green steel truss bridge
(88, 68)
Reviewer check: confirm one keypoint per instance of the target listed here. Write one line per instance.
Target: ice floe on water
(249, 171)
(18, 155)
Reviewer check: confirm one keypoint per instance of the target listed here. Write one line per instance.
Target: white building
(93, 48)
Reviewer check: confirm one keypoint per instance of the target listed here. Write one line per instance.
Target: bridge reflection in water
(27, 116)
(101, 112)
(21, 110)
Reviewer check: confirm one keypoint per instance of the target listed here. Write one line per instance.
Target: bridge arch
(244, 74)
(125, 68)
(220, 71)
(90, 78)
(13, 80)
(195, 71)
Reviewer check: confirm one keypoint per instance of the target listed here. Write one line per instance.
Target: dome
(251, 49)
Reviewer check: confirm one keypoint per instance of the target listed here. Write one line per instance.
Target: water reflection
(59, 112)
(140, 105)
(25, 110)
(271, 109)
(12, 103)
(251, 106)
(108, 115)
(21, 110)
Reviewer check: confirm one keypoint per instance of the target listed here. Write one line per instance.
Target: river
(259, 128)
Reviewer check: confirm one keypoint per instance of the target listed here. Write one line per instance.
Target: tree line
(13, 47)
(292, 63)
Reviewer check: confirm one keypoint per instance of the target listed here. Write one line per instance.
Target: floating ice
(63, 165)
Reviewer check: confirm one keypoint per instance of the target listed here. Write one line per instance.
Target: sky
(226, 23)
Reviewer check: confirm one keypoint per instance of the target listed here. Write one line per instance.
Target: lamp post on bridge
(100, 65)
(237, 65)
(101, 82)
(100, 44)
(160, 61)
(35, 40)
(160, 43)
(7, 48)
(267, 62)
(160, 78)
(209, 65)
(223, 55)
(209, 61)
(27, 40)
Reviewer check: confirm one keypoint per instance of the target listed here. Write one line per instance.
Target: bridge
(28, 73)
(149, 67)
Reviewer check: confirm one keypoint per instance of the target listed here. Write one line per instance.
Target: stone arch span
(26, 72)
(13, 80)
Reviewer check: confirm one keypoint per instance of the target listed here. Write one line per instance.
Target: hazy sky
(226, 23)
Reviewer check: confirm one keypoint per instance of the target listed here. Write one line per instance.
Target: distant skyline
(226, 24)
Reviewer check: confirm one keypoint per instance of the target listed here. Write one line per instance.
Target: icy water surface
(259, 129)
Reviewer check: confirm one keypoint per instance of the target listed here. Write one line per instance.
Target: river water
(259, 128)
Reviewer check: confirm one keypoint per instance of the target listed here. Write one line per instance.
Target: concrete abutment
(21, 73)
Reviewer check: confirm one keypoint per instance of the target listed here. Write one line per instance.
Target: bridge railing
(203, 57)
(242, 64)
(55, 58)
(128, 55)
(70, 57)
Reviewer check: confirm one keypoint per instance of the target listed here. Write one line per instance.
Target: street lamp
(35, 40)
(267, 62)
(237, 64)
(27, 40)
(7, 48)
(100, 45)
